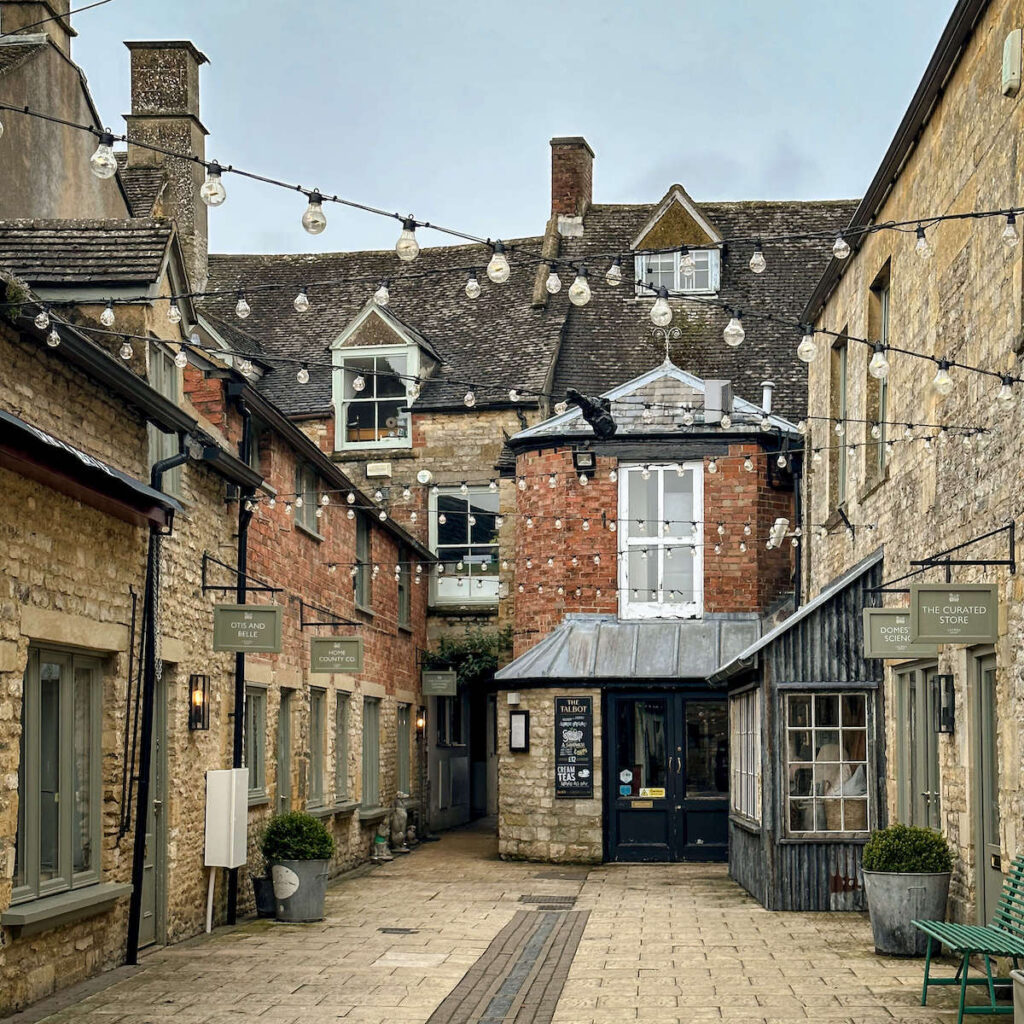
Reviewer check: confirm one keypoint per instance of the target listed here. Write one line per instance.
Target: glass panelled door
(918, 750)
(666, 778)
(986, 791)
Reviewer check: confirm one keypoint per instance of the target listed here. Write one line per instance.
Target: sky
(444, 108)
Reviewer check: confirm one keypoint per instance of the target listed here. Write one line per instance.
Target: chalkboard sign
(574, 748)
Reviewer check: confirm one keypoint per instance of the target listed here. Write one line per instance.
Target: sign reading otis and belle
(247, 627)
(335, 654)
(440, 682)
(944, 613)
(887, 635)
(574, 747)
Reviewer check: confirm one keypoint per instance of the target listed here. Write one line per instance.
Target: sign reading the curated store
(247, 627)
(335, 654)
(887, 635)
(574, 747)
(439, 682)
(947, 613)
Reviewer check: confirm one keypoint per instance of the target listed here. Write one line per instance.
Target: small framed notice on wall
(519, 731)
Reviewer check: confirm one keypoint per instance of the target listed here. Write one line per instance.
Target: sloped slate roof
(238, 338)
(142, 185)
(497, 337)
(592, 646)
(609, 340)
(68, 252)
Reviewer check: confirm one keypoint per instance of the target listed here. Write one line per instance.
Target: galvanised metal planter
(300, 889)
(895, 899)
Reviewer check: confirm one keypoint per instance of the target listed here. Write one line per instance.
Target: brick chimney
(16, 14)
(165, 112)
(572, 176)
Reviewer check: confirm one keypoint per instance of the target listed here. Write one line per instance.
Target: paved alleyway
(656, 943)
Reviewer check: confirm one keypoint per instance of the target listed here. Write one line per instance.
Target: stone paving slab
(660, 944)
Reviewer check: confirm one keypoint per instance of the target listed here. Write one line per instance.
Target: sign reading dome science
(887, 635)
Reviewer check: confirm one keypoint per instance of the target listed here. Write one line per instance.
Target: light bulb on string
(908, 431)
(212, 190)
(173, 313)
(807, 349)
(464, 488)
(765, 424)
(613, 276)
(314, 220)
(613, 475)
(688, 417)
(301, 302)
(748, 464)
(579, 290)
(181, 358)
(126, 351)
(472, 286)
(876, 431)
(245, 367)
(1010, 236)
(712, 466)
(922, 246)
(561, 407)
(382, 296)
(801, 427)
(840, 248)
(726, 421)
(840, 428)
(816, 456)
(103, 163)
(107, 316)
(413, 389)
(661, 311)
(513, 395)
(878, 367)
(53, 338)
(686, 259)
(552, 480)
(942, 382)
(553, 284)
(242, 308)
(757, 261)
(42, 319)
(469, 399)
(498, 269)
(303, 374)
(734, 333)
(1004, 396)
(407, 247)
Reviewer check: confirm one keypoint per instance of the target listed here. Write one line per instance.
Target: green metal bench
(1004, 936)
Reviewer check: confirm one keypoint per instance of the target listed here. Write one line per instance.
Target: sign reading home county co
(887, 635)
(944, 613)
(439, 683)
(247, 627)
(335, 654)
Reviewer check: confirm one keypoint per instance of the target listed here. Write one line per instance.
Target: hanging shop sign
(247, 628)
(335, 654)
(574, 747)
(887, 635)
(439, 682)
(947, 613)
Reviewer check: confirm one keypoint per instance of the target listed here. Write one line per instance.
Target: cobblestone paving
(662, 943)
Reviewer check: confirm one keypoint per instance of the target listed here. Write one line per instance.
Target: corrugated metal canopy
(602, 647)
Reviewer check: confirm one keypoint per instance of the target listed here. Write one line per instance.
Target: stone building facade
(955, 152)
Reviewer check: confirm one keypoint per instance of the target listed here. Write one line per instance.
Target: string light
(734, 333)
(301, 302)
(614, 275)
(661, 311)
(314, 220)
(498, 269)
(1009, 236)
(42, 319)
(1004, 397)
(382, 296)
(942, 382)
(173, 313)
(757, 261)
(878, 367)
(922, 246)
(807, 349)
(553, 284)
(107, 316)
(242, 308)
(840, 248)
(126, 351)
(579, 290)
(472, 286)
(302, 376)
(469, 399)
(53, 338)
(212, 190)
(103, 162)
(407, 247)
(181, 359)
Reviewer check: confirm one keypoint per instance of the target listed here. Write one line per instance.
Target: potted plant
(298, 847)
(906, 878)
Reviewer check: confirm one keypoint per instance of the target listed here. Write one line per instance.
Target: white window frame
(675, 278)
(487, 595)
(164, 378)
(317, 747)
(745, 754)
(819, 796)
(256, 741)
(412, 369)
(656, 542)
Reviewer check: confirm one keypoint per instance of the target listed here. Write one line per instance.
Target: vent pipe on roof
(767, 387)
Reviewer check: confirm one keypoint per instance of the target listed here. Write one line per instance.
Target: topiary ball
(907, 848)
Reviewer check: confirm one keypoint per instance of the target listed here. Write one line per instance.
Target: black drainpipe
(242, 560)
(802, 539)
(148, 701)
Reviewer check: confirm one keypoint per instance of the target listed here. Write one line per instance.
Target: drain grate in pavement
(399, 931)
(520, 975)
(562, 901)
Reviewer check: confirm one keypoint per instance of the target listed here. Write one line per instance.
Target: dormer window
(663, 270)
(374, 407)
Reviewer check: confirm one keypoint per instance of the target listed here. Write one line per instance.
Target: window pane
(678, 574)
(641, 744)
(799, 711)
(452, 519)
(403, 748)
(659, 269)
(391, 420)
(356, 366)
(853, 710)
(707, 749)
(49, 770)
(316, 746)
(341, 748)
(826, 710)
(371, 752)
(642, 573)
(642, 497)
(799, 744)
(390, 370)
(679, 502)
(361, 421)
(800, 780)
(83, 855)
(20, 875)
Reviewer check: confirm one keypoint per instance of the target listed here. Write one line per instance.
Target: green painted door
(151, 924)
(986, 791)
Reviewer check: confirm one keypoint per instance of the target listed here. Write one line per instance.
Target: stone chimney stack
(15, 15)
(165, 112)
(572, 177)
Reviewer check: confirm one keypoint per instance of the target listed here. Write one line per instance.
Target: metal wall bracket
(334, 620)
(261, 585)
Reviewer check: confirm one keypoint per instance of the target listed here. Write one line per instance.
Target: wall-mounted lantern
(421, 721)
(584, 460)
(944, 702)
(198, 702)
